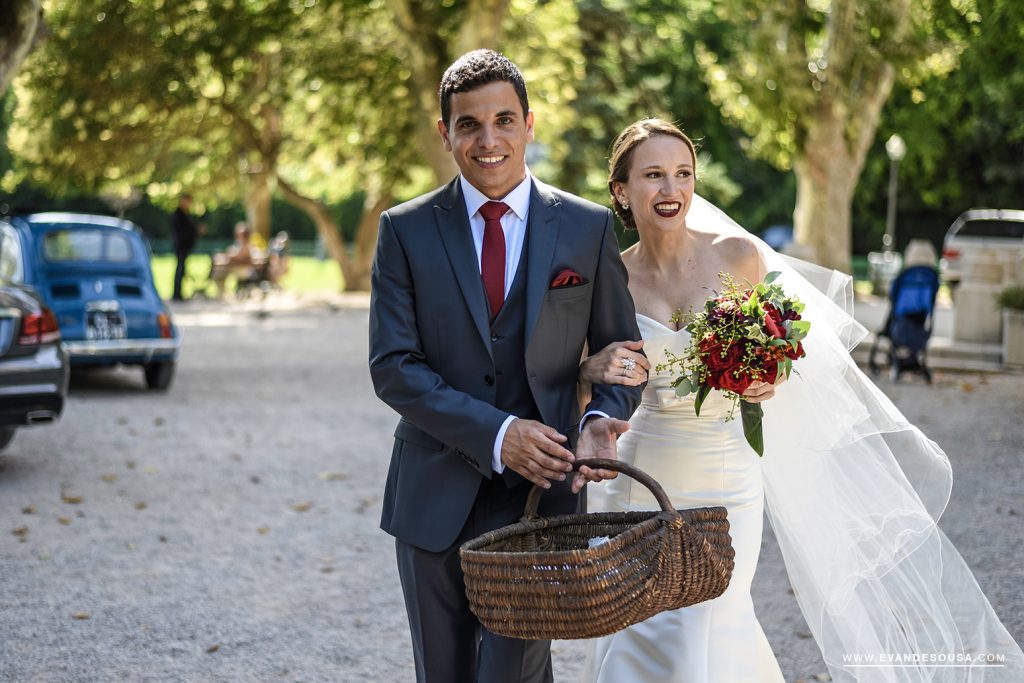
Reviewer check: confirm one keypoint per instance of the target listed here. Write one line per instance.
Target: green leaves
(752, 415)
(702, 393)
(799, 329)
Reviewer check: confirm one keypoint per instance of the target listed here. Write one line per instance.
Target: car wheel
(6, 434)
(159, 375)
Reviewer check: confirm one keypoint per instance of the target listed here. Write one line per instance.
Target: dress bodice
(659, 394)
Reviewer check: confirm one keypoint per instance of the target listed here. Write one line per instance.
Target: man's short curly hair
(475, 69)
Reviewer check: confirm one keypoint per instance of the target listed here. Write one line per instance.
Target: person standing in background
(184, 233)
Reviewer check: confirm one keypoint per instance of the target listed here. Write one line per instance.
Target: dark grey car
(33, 366)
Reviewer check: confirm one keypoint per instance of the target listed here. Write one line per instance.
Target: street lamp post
(884, 266)
(896, 149)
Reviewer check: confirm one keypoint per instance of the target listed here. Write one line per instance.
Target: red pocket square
(567, 278)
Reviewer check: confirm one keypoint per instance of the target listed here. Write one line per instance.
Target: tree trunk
(258, 197)
(828, 165)
(427, 60)
(366, 241)
(325, 225)
(20, 24)
(355, 268)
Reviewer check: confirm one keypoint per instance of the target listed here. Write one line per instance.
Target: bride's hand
(608, 366)
(762, 391)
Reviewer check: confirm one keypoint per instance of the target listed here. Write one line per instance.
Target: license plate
(105, 325)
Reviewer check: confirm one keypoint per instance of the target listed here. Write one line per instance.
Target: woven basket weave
(538, 579)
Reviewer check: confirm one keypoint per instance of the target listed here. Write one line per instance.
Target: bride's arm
(609, 366)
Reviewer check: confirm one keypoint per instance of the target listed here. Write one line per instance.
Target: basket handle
(605, 464)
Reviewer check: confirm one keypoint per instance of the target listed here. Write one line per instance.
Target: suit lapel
(542, 235)
(453, 224)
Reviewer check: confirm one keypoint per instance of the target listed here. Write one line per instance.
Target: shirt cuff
(496, 464)
(591, 413)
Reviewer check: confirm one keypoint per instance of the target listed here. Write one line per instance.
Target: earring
(625, 206)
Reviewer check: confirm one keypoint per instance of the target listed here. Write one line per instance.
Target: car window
(86, 245)
(1004, 229)
(10, 256)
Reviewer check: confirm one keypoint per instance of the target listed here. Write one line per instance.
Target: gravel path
(227, 530)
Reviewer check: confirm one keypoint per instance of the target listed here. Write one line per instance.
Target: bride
(851, 488)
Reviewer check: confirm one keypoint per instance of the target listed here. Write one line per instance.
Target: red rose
(731, 382)
(718, 362)
(791, 315)
(773, 322)
(769, 369)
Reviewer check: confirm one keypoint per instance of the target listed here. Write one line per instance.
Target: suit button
(494, 338)
(488, 380)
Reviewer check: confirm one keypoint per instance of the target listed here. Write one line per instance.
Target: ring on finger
(628, 364)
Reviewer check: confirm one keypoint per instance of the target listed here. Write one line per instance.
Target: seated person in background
(242, 259)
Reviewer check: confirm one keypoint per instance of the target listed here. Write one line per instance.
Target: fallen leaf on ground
(263, 530)
(301, 507)
(159, 421)
(333, 476)
(237, 457)
(966, 387)
(21, 532)
(213, 648)
(254, 479)
(70, 500)
(326, 570)
(64, 520)
(109, 478)
(140, 505)
(80, 615)
(28, 510)
(163, 539)
(130, 464)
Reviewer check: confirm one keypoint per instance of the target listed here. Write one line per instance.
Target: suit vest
(508, 345)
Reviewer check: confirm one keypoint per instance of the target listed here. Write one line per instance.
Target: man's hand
(598, 441)
(535, 451)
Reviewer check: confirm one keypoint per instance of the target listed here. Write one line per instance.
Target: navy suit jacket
(430, 345)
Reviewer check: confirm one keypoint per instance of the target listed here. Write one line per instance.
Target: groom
(484, 292)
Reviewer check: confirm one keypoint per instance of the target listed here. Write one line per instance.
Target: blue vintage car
(94, 273)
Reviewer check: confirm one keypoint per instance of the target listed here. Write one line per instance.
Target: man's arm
(612, 319)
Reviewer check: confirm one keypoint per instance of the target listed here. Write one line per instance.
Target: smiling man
(484, 294)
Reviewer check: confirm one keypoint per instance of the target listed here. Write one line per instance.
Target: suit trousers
(449, 644)
(179, 273)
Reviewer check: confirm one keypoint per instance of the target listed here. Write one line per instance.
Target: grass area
(305, 274)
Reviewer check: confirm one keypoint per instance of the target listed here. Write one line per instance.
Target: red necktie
(492, 256)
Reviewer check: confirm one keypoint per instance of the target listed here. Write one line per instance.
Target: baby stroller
(909, 325)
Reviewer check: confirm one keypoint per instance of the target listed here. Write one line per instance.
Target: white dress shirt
(513, 224)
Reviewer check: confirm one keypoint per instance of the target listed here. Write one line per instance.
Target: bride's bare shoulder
(740, 252)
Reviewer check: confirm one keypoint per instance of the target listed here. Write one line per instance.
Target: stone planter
(1013, 338)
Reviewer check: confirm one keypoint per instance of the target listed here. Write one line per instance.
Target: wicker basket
(539, 580)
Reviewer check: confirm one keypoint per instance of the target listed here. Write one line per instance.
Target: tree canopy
(322, 100)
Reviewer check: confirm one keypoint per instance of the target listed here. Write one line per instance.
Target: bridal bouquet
(743, 335)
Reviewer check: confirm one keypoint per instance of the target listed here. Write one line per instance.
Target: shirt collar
(518, 200)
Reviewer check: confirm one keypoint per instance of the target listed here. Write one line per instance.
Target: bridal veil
(853, 492)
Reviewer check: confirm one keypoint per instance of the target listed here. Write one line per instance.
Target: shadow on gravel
(109, 381)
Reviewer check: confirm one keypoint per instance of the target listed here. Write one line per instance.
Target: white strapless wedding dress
(699, 461)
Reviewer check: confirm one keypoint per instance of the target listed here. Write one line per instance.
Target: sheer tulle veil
(853, 492)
